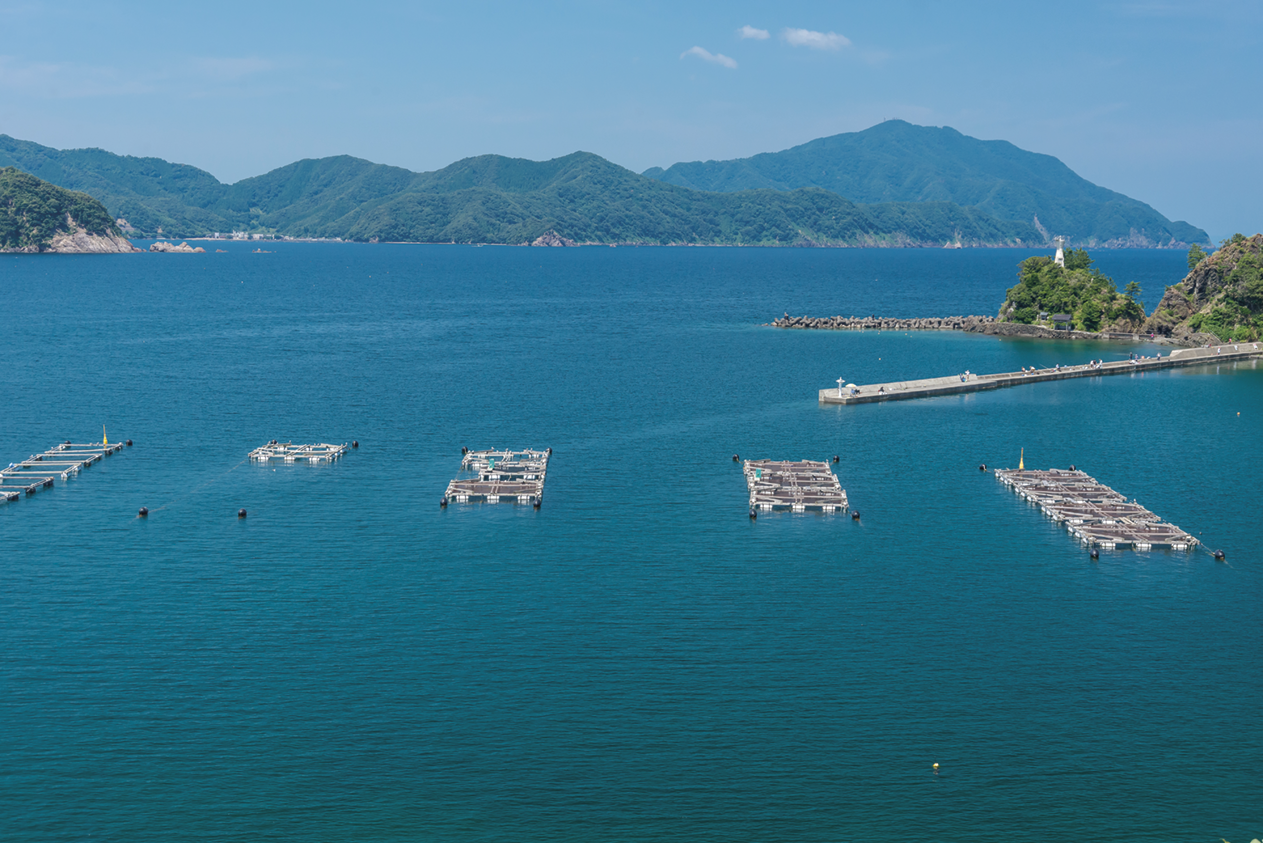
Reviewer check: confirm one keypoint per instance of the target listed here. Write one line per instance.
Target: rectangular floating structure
(39, 471)
(804, 486)
(1094, 513)
(503, 477)
(289, 452)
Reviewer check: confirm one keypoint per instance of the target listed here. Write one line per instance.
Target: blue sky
(1158, 100)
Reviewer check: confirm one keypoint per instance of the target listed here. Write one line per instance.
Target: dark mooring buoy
(1072, 468)
(836, 458)
(982, 467)
(1219, 555)
(736, 458)
(754, 513)
(537, 503)
(129, 443)
(464, 451)
(442, 501)
(355, 443)
(144, 512)
(1095, 554)
(241, 513)
(855, 515)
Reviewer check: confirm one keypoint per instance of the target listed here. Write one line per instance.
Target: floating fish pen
(289, 452)
(39, 471)
(1094, 513)
(803, 486)
(502, 476)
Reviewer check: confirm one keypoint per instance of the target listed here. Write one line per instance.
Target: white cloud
(707, 55)
(815, 40)
(748, 31)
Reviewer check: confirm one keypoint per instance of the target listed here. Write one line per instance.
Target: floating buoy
(464, 451)
(241, 513)
(67, 441)
(144, 512)
(1072, 468)
(129, 443)
(355, 443)
(549, 451)
(936, 766)
(855, 515)
(443, 501)
(836, 458)
(982, 467)
(1219, 555)
(1095, 554)
(754, 513)
(736, 458)
(537, 503)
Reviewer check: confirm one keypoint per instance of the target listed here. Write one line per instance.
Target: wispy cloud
(707, 55)
(815, 40)
(748, 31)
(230, 69)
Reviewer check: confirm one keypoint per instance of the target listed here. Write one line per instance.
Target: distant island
(896, 161)
(36, 216)
(911, 186)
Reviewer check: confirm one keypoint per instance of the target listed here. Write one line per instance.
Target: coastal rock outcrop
(1221, 299)
(552, 238)
(184, 248)
(39, 217)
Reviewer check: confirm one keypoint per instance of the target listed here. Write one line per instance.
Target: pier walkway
(930, 387)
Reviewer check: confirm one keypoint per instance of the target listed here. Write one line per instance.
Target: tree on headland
(1078, 289)
(1195, 256)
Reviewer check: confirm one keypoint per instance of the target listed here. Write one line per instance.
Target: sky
(1156, 100)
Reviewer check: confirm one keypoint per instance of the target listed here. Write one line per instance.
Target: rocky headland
(1220, 300)
(37, 217)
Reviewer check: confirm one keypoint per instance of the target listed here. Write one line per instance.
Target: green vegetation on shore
(1078, 290)
(32, 212)
(1221, 297)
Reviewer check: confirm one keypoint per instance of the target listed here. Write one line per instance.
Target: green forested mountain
(896, 161)
(33, 212)
(493, 199)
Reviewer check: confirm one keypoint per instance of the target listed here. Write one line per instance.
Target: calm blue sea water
(637, 660)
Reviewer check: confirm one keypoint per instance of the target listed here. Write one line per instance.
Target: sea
(637, 660)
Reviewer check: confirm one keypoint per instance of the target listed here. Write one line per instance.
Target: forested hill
(493, 199)
(36, 216)
(896, 161)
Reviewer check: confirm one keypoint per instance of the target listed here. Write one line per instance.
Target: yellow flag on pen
(1021, 461)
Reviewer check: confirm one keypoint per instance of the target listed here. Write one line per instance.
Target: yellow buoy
(105, 440)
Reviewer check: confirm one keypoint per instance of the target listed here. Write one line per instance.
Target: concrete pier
(930, 387)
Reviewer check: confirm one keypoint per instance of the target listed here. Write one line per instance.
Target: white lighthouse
(1060, 259)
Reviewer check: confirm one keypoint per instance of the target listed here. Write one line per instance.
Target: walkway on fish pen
(804, 486)
(39, 471)
(970, 382)
(508, 476)
(1094, 513)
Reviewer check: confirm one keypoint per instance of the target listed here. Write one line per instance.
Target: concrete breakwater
(882, 323)
(970, 382)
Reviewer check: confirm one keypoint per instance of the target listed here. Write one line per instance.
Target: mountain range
(937, 196)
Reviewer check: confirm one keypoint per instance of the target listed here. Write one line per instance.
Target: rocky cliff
(1222, 297)
(36, 216)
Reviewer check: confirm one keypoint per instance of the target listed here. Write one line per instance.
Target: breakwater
(970, 382)
(883, 323)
